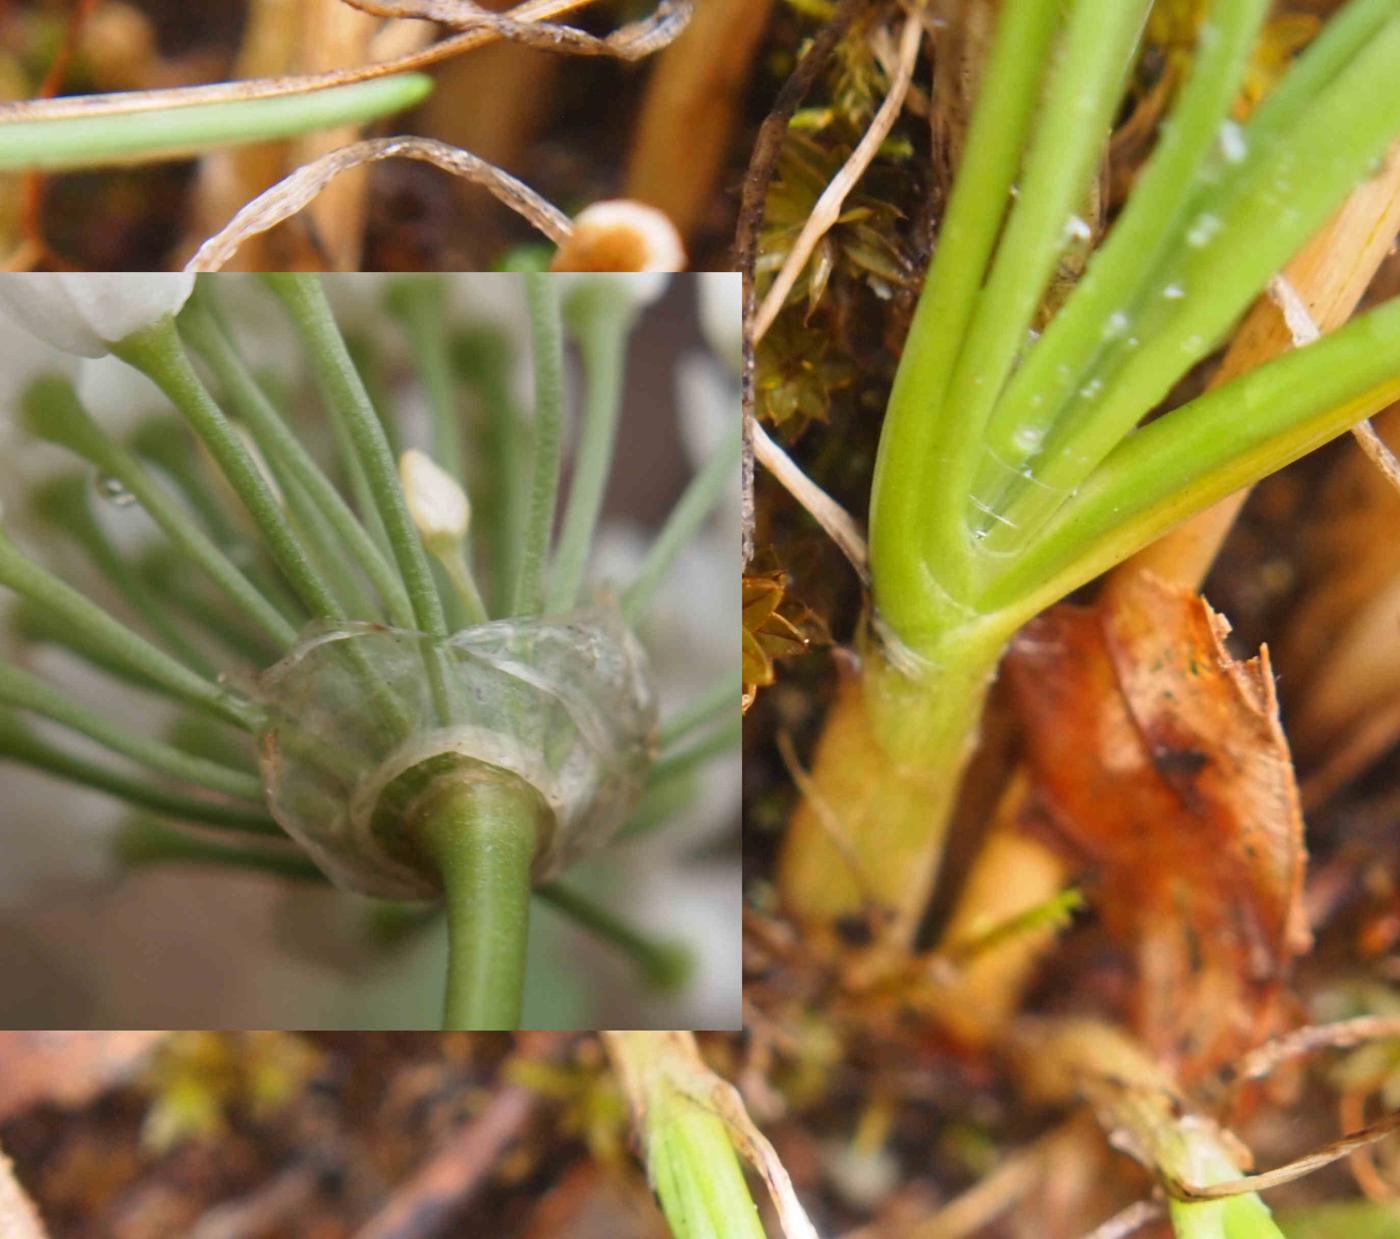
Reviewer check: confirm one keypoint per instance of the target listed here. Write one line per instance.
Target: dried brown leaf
(1161, 761)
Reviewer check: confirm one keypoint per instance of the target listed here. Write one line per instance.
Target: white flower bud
(87, 313)
(438, 505)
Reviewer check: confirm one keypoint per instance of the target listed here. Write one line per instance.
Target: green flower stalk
(1013, 468)
(393, 757)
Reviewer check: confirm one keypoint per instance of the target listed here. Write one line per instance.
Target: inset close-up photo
(371, 651)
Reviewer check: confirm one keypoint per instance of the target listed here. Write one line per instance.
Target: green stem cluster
(1011, 468)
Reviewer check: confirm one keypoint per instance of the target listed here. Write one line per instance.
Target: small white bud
(438, 505)
(87, 313)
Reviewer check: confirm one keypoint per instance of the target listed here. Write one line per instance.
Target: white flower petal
(86, 313)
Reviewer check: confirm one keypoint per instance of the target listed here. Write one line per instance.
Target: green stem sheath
(481, 833)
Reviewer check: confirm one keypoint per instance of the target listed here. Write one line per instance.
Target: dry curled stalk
(294, 192)
(634, 41)
(630, 42)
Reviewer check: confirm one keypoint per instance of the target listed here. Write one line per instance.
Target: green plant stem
(1258, 219)
(90, 623)
(453, 559)
(202, 325)
(870, 831)
(915, 437)
(66, 504)
(483, 356)
(674, 765)
(418, 300)
(481, 833)
(1227, 439)
(345, 393)
(1119, 269)
(159, 354)
(53, 411)
(142, 841)
(547, 336)
(163, 572)
(705, 490)
(20, 745)
(715, 703)
(23, 691)
(179, 132)
(600, 321)
(1085, 87)
(665, 964)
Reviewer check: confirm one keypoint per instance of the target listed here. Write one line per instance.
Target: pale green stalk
(1243, 234)
(284, 452)
(181, 132)
(719, 701)
(600, 320)
(53, 412)
(704, 492)
(915, 436)
(92, 623)
(159, 354)
(666, 965)
(65, 502)
(418, 300)
(345, 394)
(23, 691)
(546, 327)
(1117, 271)
(1086, 83)
(17, 744)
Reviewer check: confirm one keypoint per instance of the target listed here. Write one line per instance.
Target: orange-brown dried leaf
(1161, 762)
